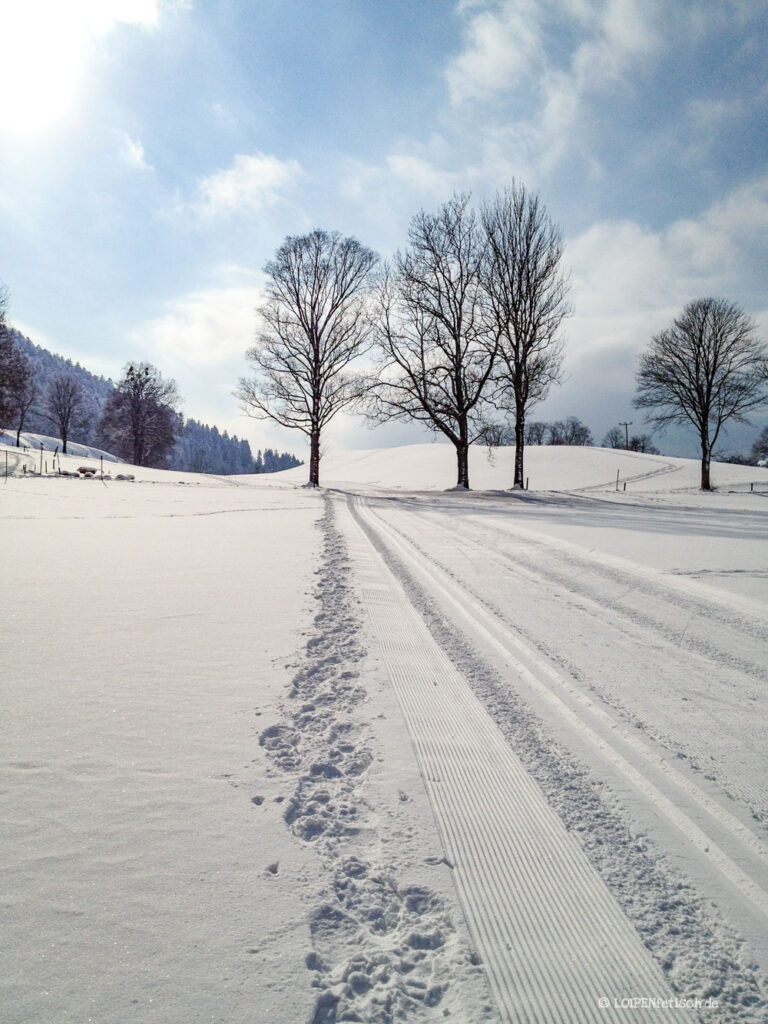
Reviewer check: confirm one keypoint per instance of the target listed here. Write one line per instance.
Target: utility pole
(626, 426)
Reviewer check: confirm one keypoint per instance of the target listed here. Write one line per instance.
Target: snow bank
(51, 444)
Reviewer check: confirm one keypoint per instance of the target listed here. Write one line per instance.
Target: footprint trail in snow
(382, 951)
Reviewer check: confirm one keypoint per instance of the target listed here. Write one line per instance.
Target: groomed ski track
(557, 947)
(699, 813)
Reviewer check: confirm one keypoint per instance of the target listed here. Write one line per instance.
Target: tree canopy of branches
(24, 394)
(704, 370)
(496, 435)
(536, 432)
(618, 438)
(614, 438)
(313, 324)
(528, 299)
(139, 420)
(570, 431)
(643, 443)
(65, 407)
(435, 340)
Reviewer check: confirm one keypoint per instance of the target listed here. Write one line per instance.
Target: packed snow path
(554, 941)
(709, 833)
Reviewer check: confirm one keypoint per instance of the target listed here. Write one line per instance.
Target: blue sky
(154, 153)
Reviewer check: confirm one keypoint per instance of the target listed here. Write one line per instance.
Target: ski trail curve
(718, 639)
(665, 470)
(745, 870)
(555, 943)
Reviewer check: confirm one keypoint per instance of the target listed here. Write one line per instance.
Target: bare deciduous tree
(536, 432)
(528, 297)
(65, 406)
(643, 443)
(614, 438)
(704, 370)
(139, 420)
(23, 393)
(314, 323)
(570, 431)
(435, 339)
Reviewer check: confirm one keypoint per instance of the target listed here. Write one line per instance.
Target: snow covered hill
(548, 468)
(33, 443)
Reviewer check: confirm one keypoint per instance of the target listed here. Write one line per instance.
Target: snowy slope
(548, 468)
(34, 442)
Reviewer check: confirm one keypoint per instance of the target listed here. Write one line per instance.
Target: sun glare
(45, 49)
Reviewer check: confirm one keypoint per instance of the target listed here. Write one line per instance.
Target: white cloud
(252, 183)
(629, 281)
(503, 44)
(622, 33)
(202, 328)
(508, 66)
(517, 105)
(744, 211)
(132, 152)
(420, 174)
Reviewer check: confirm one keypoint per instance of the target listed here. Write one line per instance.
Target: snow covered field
(385, 753)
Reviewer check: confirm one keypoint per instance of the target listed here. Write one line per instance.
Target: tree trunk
(462, 459)
(314, 459)
(22, 419)
(519, 480)
(138, 449)
(706, 484)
